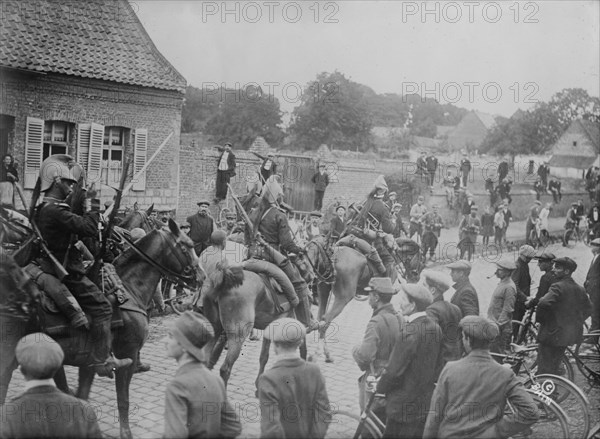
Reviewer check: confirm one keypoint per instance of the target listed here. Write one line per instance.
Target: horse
(340, 275)
(237, 302)
(140, 219)
(160, 253)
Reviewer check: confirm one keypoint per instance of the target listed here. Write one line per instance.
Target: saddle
(278, 286)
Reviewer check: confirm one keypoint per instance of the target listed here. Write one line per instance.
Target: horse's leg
(86, 378)
(60, 378)
(324, 293)
(122, 380)
(264, 358)
(218, 343)
(237, 332)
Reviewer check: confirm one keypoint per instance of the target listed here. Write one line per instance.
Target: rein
(328, 276)
(165, 272)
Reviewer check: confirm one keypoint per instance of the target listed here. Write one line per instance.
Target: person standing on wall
(225, 170)
(465, 169)
(321, 181)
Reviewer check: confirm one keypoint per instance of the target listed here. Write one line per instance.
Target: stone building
(85, 79)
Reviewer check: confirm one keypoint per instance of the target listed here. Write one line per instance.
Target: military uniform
(380, 212)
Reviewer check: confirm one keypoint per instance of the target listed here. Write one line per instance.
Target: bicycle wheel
(569, 397)
(344, 425)
(552, 422)
(567, 236)
(587, 358)
(523, 334)
(565, 367)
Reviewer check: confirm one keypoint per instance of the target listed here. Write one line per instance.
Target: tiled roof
(571, 161)
(100, 39)
(487, 120)
(592, 129)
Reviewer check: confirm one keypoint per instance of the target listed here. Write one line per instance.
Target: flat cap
(192, 330)
(506, 264)
(545, 256)
(286, 330)
(566, 262)
(418, 294)
(392, 193)
(381, 285)
(474, 208)
(595, 242)
(231, 215)
(340, 207)
(527, 251)
(316, 213)
(40, 355)
(479, 328)
(538, 202)
(398, 205)
(437, 279)
(459, 265)
(201, 202)
(421, 198)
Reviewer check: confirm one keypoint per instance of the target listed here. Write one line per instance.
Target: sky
(494, 57)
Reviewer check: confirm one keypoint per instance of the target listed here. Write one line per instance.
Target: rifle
(95, 268)
(59, 269)
(243, 213)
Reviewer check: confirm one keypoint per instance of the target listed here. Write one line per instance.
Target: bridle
(328, 274)
(187, 277)
(20, 303)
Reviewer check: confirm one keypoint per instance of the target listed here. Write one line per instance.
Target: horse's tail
(227, 276)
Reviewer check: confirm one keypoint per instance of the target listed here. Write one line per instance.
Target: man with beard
(201, 227)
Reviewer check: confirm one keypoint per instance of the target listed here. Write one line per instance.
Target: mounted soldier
(270, 224)
(60, 225)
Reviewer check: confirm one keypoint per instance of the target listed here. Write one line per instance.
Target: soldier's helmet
(59, 165)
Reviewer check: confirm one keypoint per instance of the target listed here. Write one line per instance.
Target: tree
(333, 111)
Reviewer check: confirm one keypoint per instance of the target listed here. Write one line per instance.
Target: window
(56, 138)
(113, 151)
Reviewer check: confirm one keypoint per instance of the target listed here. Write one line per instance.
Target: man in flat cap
(445, 314)
(432, 165)
(532, 219)
(201, 227)
(561, 314)
(43, 411)
(592, 284)
(545, 264)
(312, 228)
(337, 224)
(409, 378)
(417, 212)
(469, 228)
(479, 383)
(432, 225)
(399, 229)
(373, 353)
(465, 296)
(196, 402)
(292, 394)
(502, 304)
(391, 200)
(465, 169)
(321, 180)
(522, 280)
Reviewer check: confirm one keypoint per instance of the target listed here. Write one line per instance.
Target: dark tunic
(465, 298)
(201, 227)
(4, 171)
(275, 229)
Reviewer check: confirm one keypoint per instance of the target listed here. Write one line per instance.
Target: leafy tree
(333, 111)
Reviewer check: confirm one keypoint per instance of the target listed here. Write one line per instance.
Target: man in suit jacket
(561, 313)
(292, 394)
(321, 181)
(522, 280)
(43, 411)
(592, 284)
(225, 170)
(465, 296)
(410, 376)
(337, 225)
(196, 402)
(445, 314)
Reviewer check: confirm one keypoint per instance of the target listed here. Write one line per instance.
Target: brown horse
(237, 302)
(340, 275)
(160, 253)
(139, 219)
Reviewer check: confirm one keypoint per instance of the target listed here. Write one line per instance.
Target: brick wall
(80, 100)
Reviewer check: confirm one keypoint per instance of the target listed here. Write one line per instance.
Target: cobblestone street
(147, 389)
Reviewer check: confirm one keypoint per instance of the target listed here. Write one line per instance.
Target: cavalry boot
(375, 259)
(103, 362)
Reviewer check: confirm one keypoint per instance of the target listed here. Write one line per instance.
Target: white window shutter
(140, 152)
(84, 130)
(34, 145)
(94, 164)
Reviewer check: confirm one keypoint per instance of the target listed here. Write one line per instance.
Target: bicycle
(571, 399)
(345, 424)
(574, 230)
(587, 358)
(537, 237)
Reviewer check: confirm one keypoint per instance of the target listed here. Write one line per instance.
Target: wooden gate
(297, 172)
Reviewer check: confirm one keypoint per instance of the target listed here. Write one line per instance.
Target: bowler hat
(381, 285)
(459, 265)
(201, 202)
(566, 262)
(545, 256)
(192, 330)
(418, 294)
(39, 355)
(437, 279)
(286, 330)
(506, 264)
(479, 328)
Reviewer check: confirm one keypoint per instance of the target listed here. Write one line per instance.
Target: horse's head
(315, 263)
(177, 255)
(19, 292)
(137, 219)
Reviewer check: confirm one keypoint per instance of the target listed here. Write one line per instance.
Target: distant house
(442, 131)
(470, 131)
(576, 150)
(425, 143)
(388, 139)
(85, 79)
